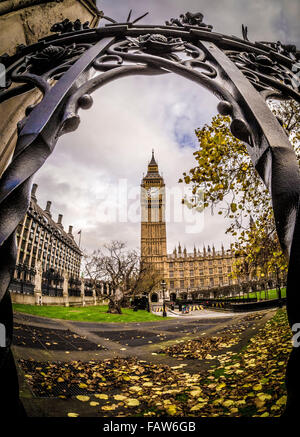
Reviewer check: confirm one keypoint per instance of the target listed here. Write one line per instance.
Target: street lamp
(163, 286)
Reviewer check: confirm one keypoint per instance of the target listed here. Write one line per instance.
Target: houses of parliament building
(185, 274)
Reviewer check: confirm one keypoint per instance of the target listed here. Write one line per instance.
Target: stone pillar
(102, 296)
(25, 22)
(94, 296)
(82, 292)
(66, 288)
(38, 283)
(160, 296)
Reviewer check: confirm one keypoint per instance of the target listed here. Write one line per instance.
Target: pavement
(56, 340)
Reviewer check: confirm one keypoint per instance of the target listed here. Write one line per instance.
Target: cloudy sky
(94, 174)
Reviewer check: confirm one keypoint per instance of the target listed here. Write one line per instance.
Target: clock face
(153, 192)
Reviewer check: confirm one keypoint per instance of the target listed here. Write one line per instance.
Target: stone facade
(43, 243)
(25, 22)
(186, 274)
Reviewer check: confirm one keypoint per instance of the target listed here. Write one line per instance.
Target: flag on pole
(79, 232)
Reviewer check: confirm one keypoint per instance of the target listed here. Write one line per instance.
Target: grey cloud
(263, 17)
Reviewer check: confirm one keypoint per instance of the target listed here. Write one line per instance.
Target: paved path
(46, 339)
(56, 340)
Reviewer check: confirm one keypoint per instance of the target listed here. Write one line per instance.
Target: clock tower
(153, 225)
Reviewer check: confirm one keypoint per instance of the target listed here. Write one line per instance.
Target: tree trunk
(114, 307)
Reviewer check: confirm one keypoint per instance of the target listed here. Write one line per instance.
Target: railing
(75, 292)
(52, 291)
(21, 287)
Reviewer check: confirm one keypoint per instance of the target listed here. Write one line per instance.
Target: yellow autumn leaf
(281, 401)
(228, 403)
(94, 404)
(108, 407)
(171, 410)
(101, 396)
(195, 393)
(135, 388)
(132, 402)
(83, 398)
(220, 386)
(209, 357)
(264, 396)
(119, 397)
(197, 407)
(60, 379)
(257, 387)
(259, 403)
(241, 402)
(73, 414)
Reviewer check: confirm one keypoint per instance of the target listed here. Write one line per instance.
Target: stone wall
(51, 300)
(24, 22)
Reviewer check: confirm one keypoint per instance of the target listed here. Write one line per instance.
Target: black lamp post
(163, 286)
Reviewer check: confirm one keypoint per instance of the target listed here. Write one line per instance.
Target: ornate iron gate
(241, 74)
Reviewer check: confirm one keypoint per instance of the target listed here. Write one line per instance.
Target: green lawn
(271, 294)
(89, 313)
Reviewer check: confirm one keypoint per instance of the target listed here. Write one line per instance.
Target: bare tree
(124, 271)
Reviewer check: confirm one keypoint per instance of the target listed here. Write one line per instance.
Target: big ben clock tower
(153, 225)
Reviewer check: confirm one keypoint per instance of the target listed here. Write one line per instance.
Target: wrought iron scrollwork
(68, 66)
(264, 72)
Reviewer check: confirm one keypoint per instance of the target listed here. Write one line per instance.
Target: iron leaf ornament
(67, 26)
(189, 19)
(264, 72)
(51, 57)
(156, 44)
